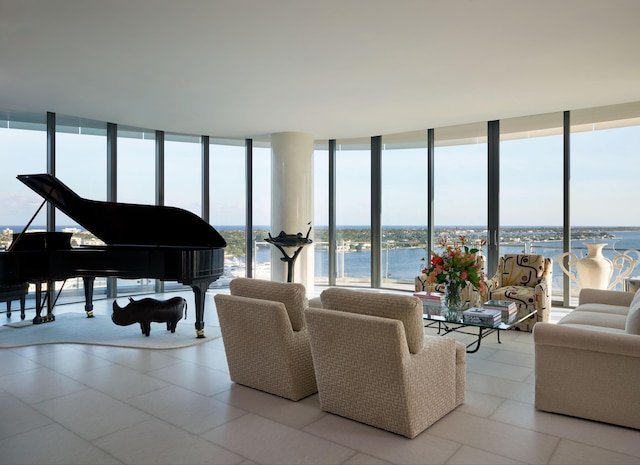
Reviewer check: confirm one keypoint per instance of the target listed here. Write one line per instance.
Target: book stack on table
(432, 302)
(485, 316)
(509, 309)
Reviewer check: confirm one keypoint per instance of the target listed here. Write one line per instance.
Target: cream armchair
(526, 280)
(374, 365)
(265, 338)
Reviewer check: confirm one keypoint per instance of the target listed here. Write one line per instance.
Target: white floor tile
(479, 404)
(52, 444)
(119, 381)
(106, 416)
(18, 417)
(157, 442)
(507, 389)
(424, 449)
(63, 403)
(614, 438)
(296, 414)
(569, 452)
(496, 437)
(467, 455)
(265, 441)
(39, 384)
(192, 412)
(16, 360)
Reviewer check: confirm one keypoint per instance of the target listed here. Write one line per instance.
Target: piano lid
(125, 223)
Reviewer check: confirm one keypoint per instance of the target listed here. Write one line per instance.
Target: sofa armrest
(601, 296)
(593, 340)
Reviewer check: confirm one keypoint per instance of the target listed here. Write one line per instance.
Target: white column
(292, 201)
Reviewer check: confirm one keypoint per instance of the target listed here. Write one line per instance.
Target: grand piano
(142, 241)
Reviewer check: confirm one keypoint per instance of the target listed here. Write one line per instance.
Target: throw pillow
(632, 325)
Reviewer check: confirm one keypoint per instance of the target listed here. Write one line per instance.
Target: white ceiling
(332, 68)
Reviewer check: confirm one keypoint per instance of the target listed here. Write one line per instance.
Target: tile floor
(83, 404)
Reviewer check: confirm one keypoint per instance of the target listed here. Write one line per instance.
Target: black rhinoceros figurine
(145, 311)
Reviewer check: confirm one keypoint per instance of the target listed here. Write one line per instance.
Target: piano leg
(38, 319)
(41, 299)
(199, 291)
(88, 295)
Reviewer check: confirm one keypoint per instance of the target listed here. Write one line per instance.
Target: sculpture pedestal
(289, 240)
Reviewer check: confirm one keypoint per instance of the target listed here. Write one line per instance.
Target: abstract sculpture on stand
(595, 270)
(290, 240)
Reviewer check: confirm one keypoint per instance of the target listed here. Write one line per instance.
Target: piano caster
(200, 333)
(90, 314)
(44, 319)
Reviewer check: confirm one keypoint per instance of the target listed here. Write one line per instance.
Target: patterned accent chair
(374, 364)
(265, 337)
(526, 280)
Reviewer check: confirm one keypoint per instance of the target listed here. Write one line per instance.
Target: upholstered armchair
(374, 364)
(526, 280)
(265, 337)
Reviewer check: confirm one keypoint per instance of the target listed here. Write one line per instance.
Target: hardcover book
(486, 316)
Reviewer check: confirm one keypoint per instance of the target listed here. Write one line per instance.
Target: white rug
(76, 328)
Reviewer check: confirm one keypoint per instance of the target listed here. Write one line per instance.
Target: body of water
(404, 264)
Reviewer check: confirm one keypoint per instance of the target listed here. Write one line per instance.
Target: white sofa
(588, 364)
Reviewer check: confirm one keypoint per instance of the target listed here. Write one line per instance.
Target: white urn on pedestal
(594, 270)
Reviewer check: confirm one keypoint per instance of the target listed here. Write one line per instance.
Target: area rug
(76, 328)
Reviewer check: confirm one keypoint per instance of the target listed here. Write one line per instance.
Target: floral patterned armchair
(471, 297)
(526, 280)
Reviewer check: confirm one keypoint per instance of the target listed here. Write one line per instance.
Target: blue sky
(604, 172)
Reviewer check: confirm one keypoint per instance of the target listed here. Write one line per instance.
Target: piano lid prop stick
(29, 223)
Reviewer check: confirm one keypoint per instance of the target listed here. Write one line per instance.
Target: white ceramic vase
(594, 270)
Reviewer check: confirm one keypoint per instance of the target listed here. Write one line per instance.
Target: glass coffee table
(447, 325)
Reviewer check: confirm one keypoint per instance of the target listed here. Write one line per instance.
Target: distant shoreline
(18, 228)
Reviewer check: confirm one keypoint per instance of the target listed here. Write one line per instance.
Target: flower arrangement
(456, 266)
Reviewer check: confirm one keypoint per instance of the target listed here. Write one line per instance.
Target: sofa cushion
(407, 309)
(604, 308)
(292, 295)
(633, 318)
(596, 319)
(598, 329)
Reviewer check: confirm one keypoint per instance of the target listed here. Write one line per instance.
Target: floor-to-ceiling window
(531, 188)
(605, 161)
(183, 172)
(460, 183)
(227, 202)
(182, 176)
(81, 163)
(136, 176)
(602, 188)
(261, 209)
(404, 208)
(136, 165)
(23, 150)
(353, 212)
(321, 212)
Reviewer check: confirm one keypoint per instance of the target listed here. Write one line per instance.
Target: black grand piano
(142, 241)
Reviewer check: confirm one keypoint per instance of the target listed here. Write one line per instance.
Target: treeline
(401, 237)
